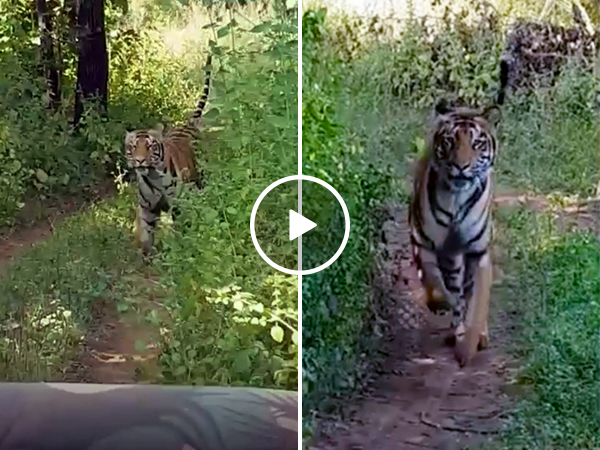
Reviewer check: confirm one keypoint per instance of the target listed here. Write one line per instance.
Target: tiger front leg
(438, 295)
(146, 224)
(473, 332)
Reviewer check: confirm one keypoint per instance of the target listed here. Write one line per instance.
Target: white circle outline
(253, 220)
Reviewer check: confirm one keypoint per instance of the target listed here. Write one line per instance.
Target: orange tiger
(450, 218)
(159, 157)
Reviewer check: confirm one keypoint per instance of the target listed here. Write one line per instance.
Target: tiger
(450, 217)
(159, 157)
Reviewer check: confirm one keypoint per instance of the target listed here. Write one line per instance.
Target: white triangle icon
(299, 225)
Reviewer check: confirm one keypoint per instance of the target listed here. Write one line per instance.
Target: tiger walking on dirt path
(160, 157)
(450, 218)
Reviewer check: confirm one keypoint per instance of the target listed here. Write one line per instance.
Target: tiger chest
(155, 189)
(458, 222)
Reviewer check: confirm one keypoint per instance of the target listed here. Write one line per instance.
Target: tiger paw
(438, 301)
(466, 344)
(147, 253)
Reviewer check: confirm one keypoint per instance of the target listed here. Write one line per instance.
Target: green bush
(252, 142)
(40, 154)
(552, 282)
(334, 301)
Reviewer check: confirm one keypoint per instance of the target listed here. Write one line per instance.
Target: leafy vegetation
(552, 289)
(231, 318)
(368, 89)
(46, 297)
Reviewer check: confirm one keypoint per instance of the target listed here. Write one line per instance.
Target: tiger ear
(492, 114)
(442, 107)
(129, 136)
(157, 131)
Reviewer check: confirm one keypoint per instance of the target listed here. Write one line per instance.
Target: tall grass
(552, 288)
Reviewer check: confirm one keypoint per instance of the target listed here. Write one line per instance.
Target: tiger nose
(461, 165)
(139, 160)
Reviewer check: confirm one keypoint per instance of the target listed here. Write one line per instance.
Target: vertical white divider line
(300, 212)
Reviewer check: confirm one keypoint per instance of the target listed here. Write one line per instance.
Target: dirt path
(420, 398)
(37, 220)
(119, 347)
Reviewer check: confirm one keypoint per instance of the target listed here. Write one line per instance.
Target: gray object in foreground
(61, 416)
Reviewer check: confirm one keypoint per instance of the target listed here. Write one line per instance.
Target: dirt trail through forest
(37, 220)
(120, 347)
(420, 398)
(112, 349)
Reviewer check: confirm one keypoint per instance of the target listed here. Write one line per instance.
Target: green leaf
(210, 214)
(238, 304)
(224, 31)
(277, 333)
(212, 114)
(279, 121)
(420, 145)
(179, 371)
(261, 27)
(277, 363)
(41, 175)
(241, 364)
(16, 166)
(295, 337)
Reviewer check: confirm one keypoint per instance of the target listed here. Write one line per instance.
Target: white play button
(299, 225)
(284, 251)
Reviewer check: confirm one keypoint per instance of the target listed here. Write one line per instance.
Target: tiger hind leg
(472, 334)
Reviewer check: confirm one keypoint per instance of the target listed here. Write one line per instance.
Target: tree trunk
(92, 65)
(48, 54)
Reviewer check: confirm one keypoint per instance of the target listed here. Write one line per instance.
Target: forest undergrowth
(231, 319)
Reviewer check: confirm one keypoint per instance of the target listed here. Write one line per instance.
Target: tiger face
(144, 149)
(464, 146)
